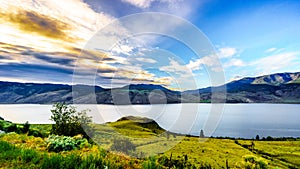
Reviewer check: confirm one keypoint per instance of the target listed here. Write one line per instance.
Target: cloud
(20, 69)
(226, 52)
(56, 25)
(147, 60)
(136, 75)
(274, 50)
(176, 7)
(234, 62)
(34, 23)
(53, 59)
(275, 62)
(210, 61)
(49, 35)
(22, 54)
(175, 67)
(270, 50)
(123, 49)
(139, 3)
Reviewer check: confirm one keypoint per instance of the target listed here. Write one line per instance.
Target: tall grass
(12, 156)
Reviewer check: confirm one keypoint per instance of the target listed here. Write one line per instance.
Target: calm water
(234, 120)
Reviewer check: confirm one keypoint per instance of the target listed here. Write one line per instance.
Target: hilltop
(274, 88)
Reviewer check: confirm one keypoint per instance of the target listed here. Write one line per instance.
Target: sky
(53, 41)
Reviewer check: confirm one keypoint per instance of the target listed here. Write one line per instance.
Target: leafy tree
(257, 137)
(70, 122)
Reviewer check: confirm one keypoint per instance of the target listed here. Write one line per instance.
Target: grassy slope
(280, 153)
(22, 151)
(212, 151)
(151, 139)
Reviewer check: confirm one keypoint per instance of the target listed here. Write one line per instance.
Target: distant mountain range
(274, 88)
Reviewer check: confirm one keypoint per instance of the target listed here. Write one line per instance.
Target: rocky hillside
(275, 88)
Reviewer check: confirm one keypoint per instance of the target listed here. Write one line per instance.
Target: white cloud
(226, 52)
(147, 60)
(270, 50)
(175, 67)
(276, 62)
(139, 3)
(234, 62)
(210, 61)
(122, 49)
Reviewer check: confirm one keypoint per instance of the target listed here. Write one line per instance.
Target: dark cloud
(3, 51)
(35, 73)
(13, 48)
(50, 59)
(61, 58)
(43, 25)
(62, 61)
(33, 68)
(97, 55)
(105, 70)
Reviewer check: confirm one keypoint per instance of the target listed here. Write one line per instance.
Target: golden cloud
(33, 22)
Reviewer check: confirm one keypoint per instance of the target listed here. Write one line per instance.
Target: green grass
(280, 153)
(209, 151)
(14, 156)
(169, 150)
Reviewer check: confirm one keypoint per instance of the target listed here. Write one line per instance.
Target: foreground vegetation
(22, 151)
(136, 143)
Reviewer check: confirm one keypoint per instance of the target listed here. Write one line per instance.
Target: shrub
(251, 161)
(151, 164)
(123, 145)
(10, 127)
(26, 127)
(7, 127)
(69, 122)
(35, 133)
(29, 155)
(179, 162)
(64, 143)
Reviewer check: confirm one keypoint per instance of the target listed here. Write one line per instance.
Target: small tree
(257, 137)
(69, 122)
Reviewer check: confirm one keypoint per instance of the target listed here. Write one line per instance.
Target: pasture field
(153, 148)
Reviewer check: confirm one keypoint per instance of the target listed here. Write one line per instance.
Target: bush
(123, 145)
(251, 161)
(69, 122)
(151, 164)
(10, 127)
(26, 127)
(35, 133)
(7, 127)
(179, 162)
(64, 143)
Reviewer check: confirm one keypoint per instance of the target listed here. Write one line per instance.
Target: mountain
(278, 79)
(274, 88)
(33, 93)
(13, 92)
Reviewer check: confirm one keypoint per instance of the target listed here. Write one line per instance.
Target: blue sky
(41, 41)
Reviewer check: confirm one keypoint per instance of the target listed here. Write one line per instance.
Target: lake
(233, 120)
